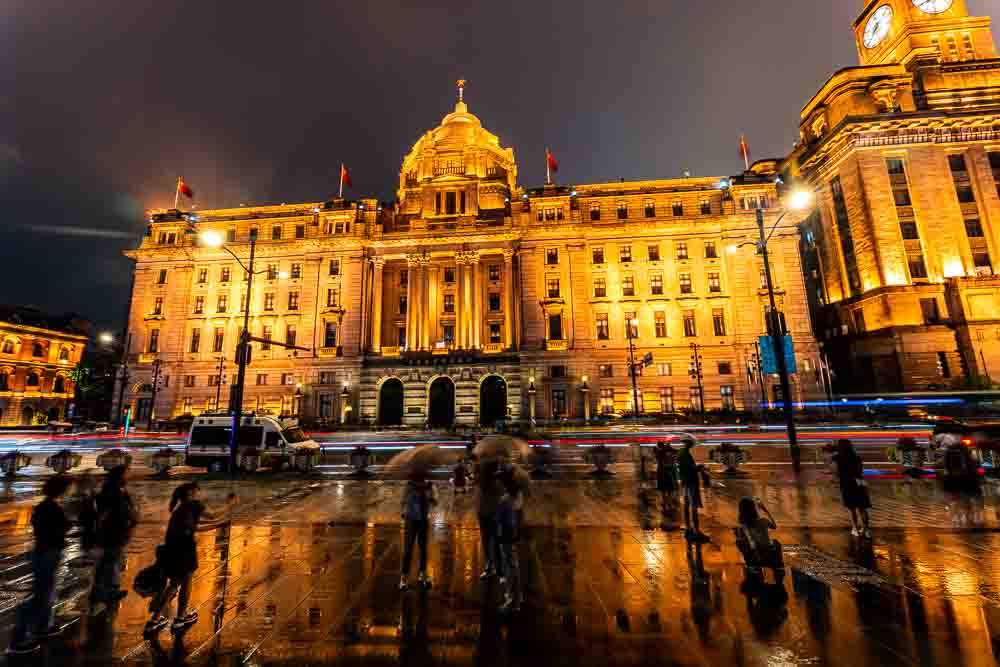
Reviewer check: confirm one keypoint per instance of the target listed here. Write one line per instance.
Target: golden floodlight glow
(106, 338)
(800, 199)
(210, 238)
(283, 275)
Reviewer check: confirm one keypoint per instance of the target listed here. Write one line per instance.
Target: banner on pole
(767, 359)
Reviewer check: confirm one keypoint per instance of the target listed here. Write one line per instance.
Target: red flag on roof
(745, 152)
(345, 177)
(185, 189)
(550, 161)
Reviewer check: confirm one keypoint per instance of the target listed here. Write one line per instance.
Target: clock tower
(910, 31)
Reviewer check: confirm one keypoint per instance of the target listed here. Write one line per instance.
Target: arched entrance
(441, 403)
(390, 402)
(492, 400)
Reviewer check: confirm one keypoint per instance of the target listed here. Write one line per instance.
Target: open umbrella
(418, 460)
(499, 446)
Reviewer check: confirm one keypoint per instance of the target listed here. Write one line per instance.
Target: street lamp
(631, 330)
(585, 390)
(105, 338)
(797, 200)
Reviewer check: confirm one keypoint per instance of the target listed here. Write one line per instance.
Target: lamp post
(107, 339)
(696, 374)
(218, 383)
(344, 397)
(799, 200)
(631, 329)
(585, 390)
(531, 400)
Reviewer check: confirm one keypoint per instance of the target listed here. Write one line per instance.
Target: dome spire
(460, 106)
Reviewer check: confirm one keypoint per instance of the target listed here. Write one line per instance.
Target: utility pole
(696, 374)
(242, 354)
(218, 384)
(632, 366)
(778, 340)
(123, 365)
(155, 389)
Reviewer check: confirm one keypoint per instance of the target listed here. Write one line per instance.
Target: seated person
(753, 539)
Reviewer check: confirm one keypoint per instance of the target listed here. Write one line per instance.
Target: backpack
(150, 581)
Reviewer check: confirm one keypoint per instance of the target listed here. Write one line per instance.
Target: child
(417, 500)
(50, 525)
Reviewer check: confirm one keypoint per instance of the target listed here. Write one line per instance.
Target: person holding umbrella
(666, 472)
(492, 451)
(510, 515)
(691, 484)
(417, 500)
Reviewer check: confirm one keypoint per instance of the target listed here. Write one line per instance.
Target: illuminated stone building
(38, 354)
(904, 151)
(471, 297)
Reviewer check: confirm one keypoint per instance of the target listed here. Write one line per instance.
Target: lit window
(628, 286)
(195, 341)
(649, 209)
(449, 303)
(667, 399)
(266, 333)
(202, 276)
(290, 334)
(654, 253)
(493, 271)
(605, 370)
(330, 334)
(296, 272)
(552, 256)
(224, 274)
(597, 255)
(690, 328)
(677, 208)
(622, 211)
(199, 305)
(220, 305)
(219, 339)
(552, 285)
(684, 280)
(158, 305)
(293, 301)
(603, 332)
(710, 251)
(269, 301)
(714, 284)
(261, 379)
(660, 323)
(681, 249)
(600, 288)
(331, 298)
(726, 394)
(706, 207)
(625, 254)
(494, 332)
(719, 321)
(656, 284)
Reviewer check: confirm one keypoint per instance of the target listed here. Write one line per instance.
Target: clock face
(878, 25)
(933, 6)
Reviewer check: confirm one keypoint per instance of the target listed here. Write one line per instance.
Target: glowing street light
(210, 238)
(106, 338)
(800, 200)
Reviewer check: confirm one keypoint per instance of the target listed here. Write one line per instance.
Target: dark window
(690, 328)
(605, 370)
(162, 279)
(622, 211)
(557, 371)
(231, 235)
(269, 301)
(603, 332)
(555, 327)
(275, 232)
(901, 196)
(293, 301)
(909, 230)
(224, 274)
(552, 256)
(334, 267)
(154, 342)
(195, 341)
(678, 208)
(684, 280)
(981, 258)
(202, 275)
(965, 193)
(493, 272)
(494, 300)
(296, 272)
(558, 402)
(158, 305)
(597, 255)
(595, 211)
(600, 288)
(404, 277)
(449, 275)
(494, 332)
(725, 368)
(449, 303)
(437, 203)
(654, 253)
(846, 240)
(956, 162)
(894, 166)
(330, 335)
(219, 339)
(300, 231)
(188, 380)
(449, 334)
(401, 337)
(719, 321)
(917, 267)
(649, 210)
(4, 381)
(59, 386)
(402, 304)
(706, 207)
(710, 251)
(331, 298)
(552, 285)
(266, 333)
(199, 305)
(450, 203)
(33, 379)
(290, 334)
(929, 308)
(973, 228)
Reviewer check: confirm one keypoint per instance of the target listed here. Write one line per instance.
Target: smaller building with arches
(38, 354)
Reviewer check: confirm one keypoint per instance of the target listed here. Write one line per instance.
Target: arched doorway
(441, 403)
(390, 402)
(492, 400)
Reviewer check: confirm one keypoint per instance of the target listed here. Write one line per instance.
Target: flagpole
(177, 191)
(341, 195)
(548, 171)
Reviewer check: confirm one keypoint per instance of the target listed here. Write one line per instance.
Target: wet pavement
(608, 580)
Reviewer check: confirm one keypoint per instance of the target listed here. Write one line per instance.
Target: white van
(275, 438)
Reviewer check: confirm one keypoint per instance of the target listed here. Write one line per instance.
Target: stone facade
(903, 251)
(36, 365)
(471, 297)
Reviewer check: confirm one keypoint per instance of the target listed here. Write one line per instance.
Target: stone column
(477, 302)
(433, 304)
(411, 263)
(418, 305)
(508, 298)
(468, 308)
(425, 303)
(376, 320)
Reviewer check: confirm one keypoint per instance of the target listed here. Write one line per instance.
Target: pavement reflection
(306, 574)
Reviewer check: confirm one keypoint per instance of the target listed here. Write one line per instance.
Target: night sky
(105, 102)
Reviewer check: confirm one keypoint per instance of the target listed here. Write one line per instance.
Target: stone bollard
(165, 459)
(63, 461)
(13, 461)
(112, 458)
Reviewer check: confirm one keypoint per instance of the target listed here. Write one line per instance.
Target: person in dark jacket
(853, 490)
(49, 522)
(179, 556)
(489, 494)
(510, 515)
(666, 472)
(690, 477)
(417, 500)
(116, 517)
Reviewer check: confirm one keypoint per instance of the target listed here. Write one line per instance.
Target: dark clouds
(107, 101)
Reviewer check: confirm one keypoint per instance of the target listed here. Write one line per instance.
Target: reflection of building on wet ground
(609, 580)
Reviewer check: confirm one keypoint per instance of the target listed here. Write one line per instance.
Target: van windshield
(293, 435)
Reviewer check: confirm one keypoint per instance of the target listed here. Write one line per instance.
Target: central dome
(459, 150)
